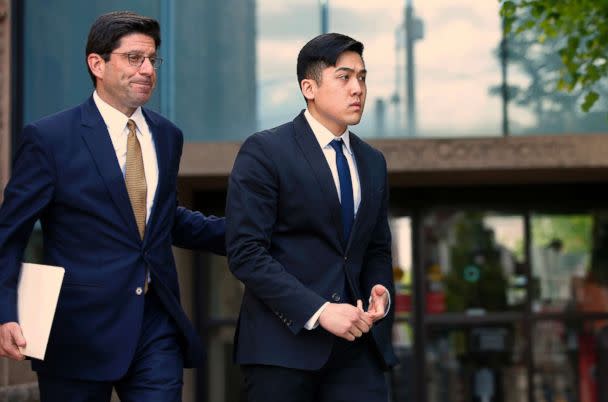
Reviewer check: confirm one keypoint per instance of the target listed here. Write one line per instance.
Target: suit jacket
(66, 174)
(284, 242)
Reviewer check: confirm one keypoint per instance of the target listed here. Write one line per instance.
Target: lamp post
(414, 30)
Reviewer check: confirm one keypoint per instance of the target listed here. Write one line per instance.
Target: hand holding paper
(37, 296)
(11, 341)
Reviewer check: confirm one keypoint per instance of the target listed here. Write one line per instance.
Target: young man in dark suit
(307, 233)
(102, 177)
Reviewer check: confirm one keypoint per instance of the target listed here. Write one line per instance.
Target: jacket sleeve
(27, 194)
(251, 213)
(192, 229)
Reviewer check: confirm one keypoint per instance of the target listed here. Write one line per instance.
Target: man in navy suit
(307, 233)
(101, 177)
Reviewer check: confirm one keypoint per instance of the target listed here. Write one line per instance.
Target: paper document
(37, 296)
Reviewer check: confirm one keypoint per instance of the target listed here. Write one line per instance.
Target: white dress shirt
(116, 122)
(325, 137)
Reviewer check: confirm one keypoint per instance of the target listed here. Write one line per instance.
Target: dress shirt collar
(323, 135)
(115, 120)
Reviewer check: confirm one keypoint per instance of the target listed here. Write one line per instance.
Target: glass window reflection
(568, 361)
(483, 364)
(238, 74)
(473, 262)
(568, 262)
(401, 232)
(401, 101)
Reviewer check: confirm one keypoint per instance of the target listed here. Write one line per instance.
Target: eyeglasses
(136, 60)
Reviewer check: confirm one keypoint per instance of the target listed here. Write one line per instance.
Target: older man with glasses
(101, 177)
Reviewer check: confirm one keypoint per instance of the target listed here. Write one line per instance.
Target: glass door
(515, 305)
(474, 270)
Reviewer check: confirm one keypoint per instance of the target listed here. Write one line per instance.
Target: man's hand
(346, 321)
(378, 303)
(11, 339)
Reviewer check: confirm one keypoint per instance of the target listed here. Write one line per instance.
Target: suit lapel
(364, 184)
(161, 145)
(100, 146)
(318, 164)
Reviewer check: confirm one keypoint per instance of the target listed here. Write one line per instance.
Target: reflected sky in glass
(455, 62)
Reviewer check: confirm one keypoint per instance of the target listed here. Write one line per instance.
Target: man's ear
(308, 87)
(96, 64)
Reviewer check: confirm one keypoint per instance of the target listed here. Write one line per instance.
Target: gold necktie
(135, 178)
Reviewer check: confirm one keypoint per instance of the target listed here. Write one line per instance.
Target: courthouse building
(499, 221)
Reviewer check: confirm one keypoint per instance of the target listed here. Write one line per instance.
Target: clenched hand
(346, 321)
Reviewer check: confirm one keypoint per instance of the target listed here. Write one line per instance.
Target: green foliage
(583, 24)
(475, 248)
(574, 232)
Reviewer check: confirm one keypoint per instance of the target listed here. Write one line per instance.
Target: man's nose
(146, 67)
(356, 86)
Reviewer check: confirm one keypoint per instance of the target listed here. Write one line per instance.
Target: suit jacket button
(335, 297)
(139, 291)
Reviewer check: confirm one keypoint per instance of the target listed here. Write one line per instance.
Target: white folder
(37, 296)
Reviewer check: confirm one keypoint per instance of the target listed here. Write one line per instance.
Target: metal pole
(324, 16)
(380, 117)
(396, 98)
(504, 56)
(409, 72)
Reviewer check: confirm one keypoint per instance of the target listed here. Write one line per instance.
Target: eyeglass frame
(154, 60)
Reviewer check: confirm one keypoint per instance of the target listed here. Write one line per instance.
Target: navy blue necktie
(346, 189)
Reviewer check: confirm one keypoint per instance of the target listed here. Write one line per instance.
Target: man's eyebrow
(350, 70)
(139, 52)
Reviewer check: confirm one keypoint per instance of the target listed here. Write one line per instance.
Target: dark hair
(323, 51)
(107, 31)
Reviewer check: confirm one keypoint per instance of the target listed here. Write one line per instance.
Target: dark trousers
(155, 375)
(352, 374)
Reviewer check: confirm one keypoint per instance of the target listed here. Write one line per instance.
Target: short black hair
(108, 29)
(323, 51)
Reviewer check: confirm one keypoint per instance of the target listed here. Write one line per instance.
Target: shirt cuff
(314, 320)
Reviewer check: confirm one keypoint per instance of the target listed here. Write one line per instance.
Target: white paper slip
(37, 296)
